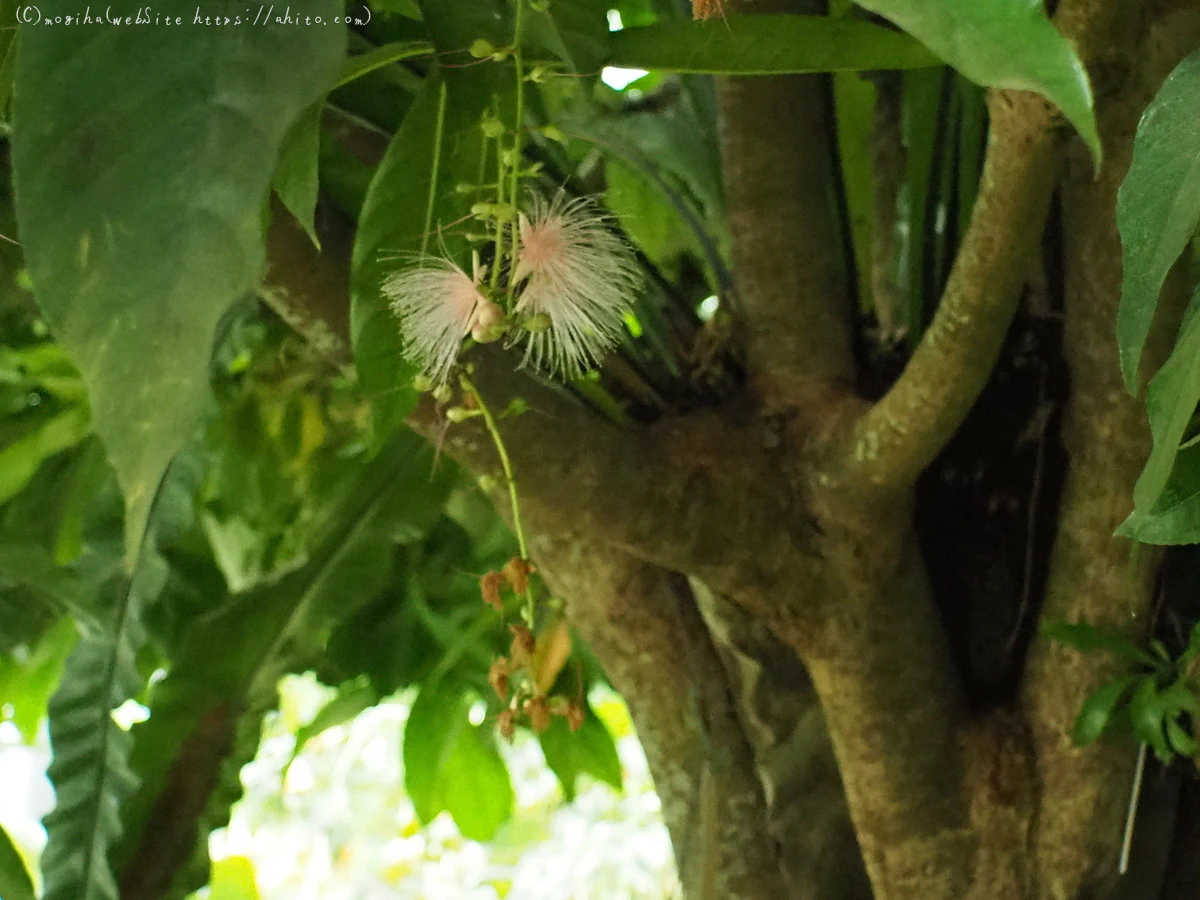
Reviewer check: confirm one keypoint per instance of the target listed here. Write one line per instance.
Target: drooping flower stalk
(579, 276)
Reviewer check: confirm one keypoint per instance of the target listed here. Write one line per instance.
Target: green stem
(437, 163)
(511, 481)
(519, 129)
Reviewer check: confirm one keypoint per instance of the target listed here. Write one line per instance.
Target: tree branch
(1092, 576)
(904, 431)
(791, 299)
(643, 623)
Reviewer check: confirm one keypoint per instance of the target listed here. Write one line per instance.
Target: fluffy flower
(438, 305)
(580, 276)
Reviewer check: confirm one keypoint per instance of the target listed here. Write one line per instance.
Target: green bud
(491, 127)
(481, 49)
(487, 483)
(421, 383)
(443, 393)
(551, 132)
(483, 210)
(502, 54)
(537, 74)
(537, 324)
(503, 212)
(509, 157)
(460, 414)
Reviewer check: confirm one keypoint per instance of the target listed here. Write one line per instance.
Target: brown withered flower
(498, 677)
(489, 586)
(539, 713)
(523, 646)
(505, 725)
(516, 572)
(575, 715)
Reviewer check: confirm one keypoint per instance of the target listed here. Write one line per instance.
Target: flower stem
(433, 175)
(510, 480)
(519, 125)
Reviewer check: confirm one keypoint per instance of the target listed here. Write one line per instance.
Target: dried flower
(489, 586)
(516, 573)
(505, 724)
(581, 276)
(498, 677)
(438, 305)
(538, 712)
(575, 715)
(523, 646)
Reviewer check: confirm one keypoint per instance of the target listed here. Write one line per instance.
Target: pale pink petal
(578, 273)
(436, 303)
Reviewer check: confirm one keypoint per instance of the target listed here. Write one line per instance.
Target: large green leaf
(478, 790)
(26, 686)
(1002, 44)
(1089, 639)
(89, 766)
(15, 883)
(766, 45)
(590, 750)
(142, 157)
(265, 633)
(436, 717)
(1170, 402)
(1175, 516)
(1099, 707)
(1158, 205)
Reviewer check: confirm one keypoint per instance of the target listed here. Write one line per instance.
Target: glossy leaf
(478, 790)
(1002, 44)
(590, 751)
(1158, 205)
(141, 220)
(352, 698)
(15, 883)
(89, 765)
(295, 180)
(430, 734)
(364, 63)
(765, 45)
(1170, 402)
(1099, 708)
(1090, 639)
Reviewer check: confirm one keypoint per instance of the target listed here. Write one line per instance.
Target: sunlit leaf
(766, 45)
(478, 790)
(15, 883)
(430, 734)
(1002, 44)
(1158, 205)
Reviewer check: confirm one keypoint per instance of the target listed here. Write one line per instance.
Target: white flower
(581, 276)
(438, 305)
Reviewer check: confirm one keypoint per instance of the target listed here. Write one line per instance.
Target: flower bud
(537, 323)
(552, 132)
(487, 483)
(492, 127)
(482, 48)
(489, 323)
(458, 414)
(421, 382)
(538, 712)
(489, 587)
(443, 393)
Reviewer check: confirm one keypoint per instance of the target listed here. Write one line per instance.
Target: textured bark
(790, 511)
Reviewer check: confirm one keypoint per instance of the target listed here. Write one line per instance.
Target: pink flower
(581, 277)
(438, 305)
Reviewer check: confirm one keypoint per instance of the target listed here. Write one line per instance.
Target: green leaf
(1089, 639)
(765, 45)
(1158, 205)
(295, 179)
(1175, 516)
(28, 685)
(21, 459)
(1002, 44)
(1181, 742)
(1170, 402)
(1098, 709)
(233, 879)
(141, 220)
(1147, 715)
(89, 766)
(276, 628)
(364, 63)
(436, 717)
(590, 750)
(478, 790)
(15, 883)
(352, 698)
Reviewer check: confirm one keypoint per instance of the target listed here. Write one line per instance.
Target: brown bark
(793, 506)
